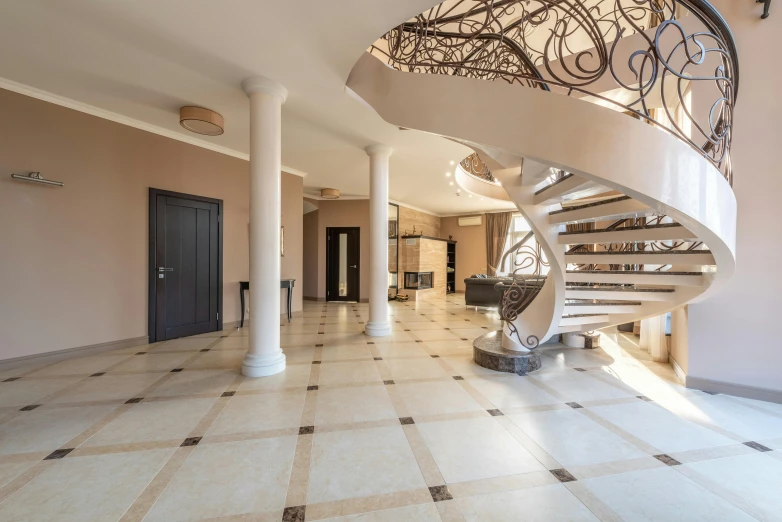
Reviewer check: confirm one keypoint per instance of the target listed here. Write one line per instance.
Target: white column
(378, 324)
(264, 357)
(653, 338)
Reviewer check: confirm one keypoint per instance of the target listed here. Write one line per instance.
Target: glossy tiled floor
(403, 428)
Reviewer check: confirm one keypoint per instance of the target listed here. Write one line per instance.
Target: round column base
(488, 352)
(585, 340)
(377, 329)
(262, 365)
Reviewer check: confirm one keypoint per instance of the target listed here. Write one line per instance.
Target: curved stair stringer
(602, 146)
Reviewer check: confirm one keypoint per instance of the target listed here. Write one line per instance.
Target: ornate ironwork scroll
(527, 281)
(570, 45)
(473, 165)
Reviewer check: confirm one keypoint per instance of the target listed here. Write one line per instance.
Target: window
(518, 229)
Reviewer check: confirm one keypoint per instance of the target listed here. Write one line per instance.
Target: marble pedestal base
(488, 352)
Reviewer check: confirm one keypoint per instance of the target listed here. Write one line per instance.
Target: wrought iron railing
(473, 165)
(571, 45)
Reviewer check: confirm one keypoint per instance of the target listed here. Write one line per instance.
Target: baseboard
(232, 324)
(68, 353)
(739, 390)
(678, 370)
(316, 299)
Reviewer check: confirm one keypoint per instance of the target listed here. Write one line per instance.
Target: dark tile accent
(134, 400)
(397, 322)
(11, 379)
(315, 362)
(407, 329)
(388, 382)
(666, 459)
(312, 388)
(225, 335)
(361, 322)
(378, 358)
(458, 378)
(322, 324)
(141, 353)
(440, 493)
(191, 441)
(31, 407)
(495, 413)
(306, 430)
(98, 374)
(485, 327)
(756, 446)
(370, 342)
(318, 345)
(563, 475)
(205, 349)
(644, 398)
(418, 341)
(321, 333)
(464, 339)
(467, 320)
(406, 420)
(710, 393)
(435, 356)
(228, 394)
(574, 405)
(579, 369)
(446, 328)
(58, 454)
(176, 370)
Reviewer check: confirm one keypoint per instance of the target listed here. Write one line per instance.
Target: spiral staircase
(607, 122)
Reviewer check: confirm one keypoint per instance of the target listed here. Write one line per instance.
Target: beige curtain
(497, 227)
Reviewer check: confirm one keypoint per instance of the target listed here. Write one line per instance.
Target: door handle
(161, 269)
(353, 266)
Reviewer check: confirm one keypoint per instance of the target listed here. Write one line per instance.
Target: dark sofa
(484, 291)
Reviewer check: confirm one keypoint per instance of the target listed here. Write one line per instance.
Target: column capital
(378, 150)
(264, 85)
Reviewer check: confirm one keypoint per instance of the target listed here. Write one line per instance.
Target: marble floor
(403, 428)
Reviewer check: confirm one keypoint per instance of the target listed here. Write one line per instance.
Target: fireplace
(418, 280)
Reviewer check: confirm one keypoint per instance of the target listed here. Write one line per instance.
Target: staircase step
(601, 306)
(664, 232)
(619, 293)
(559, 188)
(652, 257)
(614, 208)
(637, 277)
(579, 319)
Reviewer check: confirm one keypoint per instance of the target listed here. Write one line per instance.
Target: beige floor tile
(465, 365)
(511, 391)
(475, 449)
(153, 421)
(81, 365)
(48, 429)
(184, 344)
(268, 411)
(190, 382)
(218, 360)
(299, 354)
(348, 373)
(419, 368)
(404, 349)
(232, 343)
(234, 478)
(418, 513)
(347, 405)
(11, 470)
(80, 489)
(26, 392)
(109, 388)
(436, 398)
(153, 362)
(360, 463)
(345, 352)
(294, 376)
(541, 504)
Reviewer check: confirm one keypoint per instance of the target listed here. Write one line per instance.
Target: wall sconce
(36, 177)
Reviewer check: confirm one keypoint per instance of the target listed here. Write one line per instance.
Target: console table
(284, 283)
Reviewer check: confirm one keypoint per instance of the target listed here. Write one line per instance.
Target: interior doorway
(343, 264)
(185, 265)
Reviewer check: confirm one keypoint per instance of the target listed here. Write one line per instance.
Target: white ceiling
(144, 59)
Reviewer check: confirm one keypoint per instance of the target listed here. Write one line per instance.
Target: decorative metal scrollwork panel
(570, 45)
(529, 267)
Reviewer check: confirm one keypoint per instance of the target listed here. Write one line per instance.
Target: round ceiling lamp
(328, 193)
(201, 121)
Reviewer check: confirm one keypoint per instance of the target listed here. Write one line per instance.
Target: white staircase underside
(658, 233)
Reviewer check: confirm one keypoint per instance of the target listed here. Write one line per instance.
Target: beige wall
(470, 248)
(291, 264)
(424, 223)
(310, 255)
(74, 259)
(734, 337)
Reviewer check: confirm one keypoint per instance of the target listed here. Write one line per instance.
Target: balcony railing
(473, 166)
(641, 57)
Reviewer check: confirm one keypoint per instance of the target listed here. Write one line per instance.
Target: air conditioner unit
(471, 221)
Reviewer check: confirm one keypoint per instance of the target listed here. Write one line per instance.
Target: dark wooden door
(343, 268)
(186, 269)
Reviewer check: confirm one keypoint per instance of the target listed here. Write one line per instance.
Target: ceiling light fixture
(452, 162)
(328, 193)
(447, 174)
(451, 183)
(201, 121)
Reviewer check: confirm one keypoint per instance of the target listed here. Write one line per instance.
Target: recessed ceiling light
(452, 162)
(201, 121)
(470, 195)
(451, 183)
(448, 174)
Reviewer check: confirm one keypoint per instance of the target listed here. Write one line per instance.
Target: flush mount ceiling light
(328, 193)
(201, 121)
